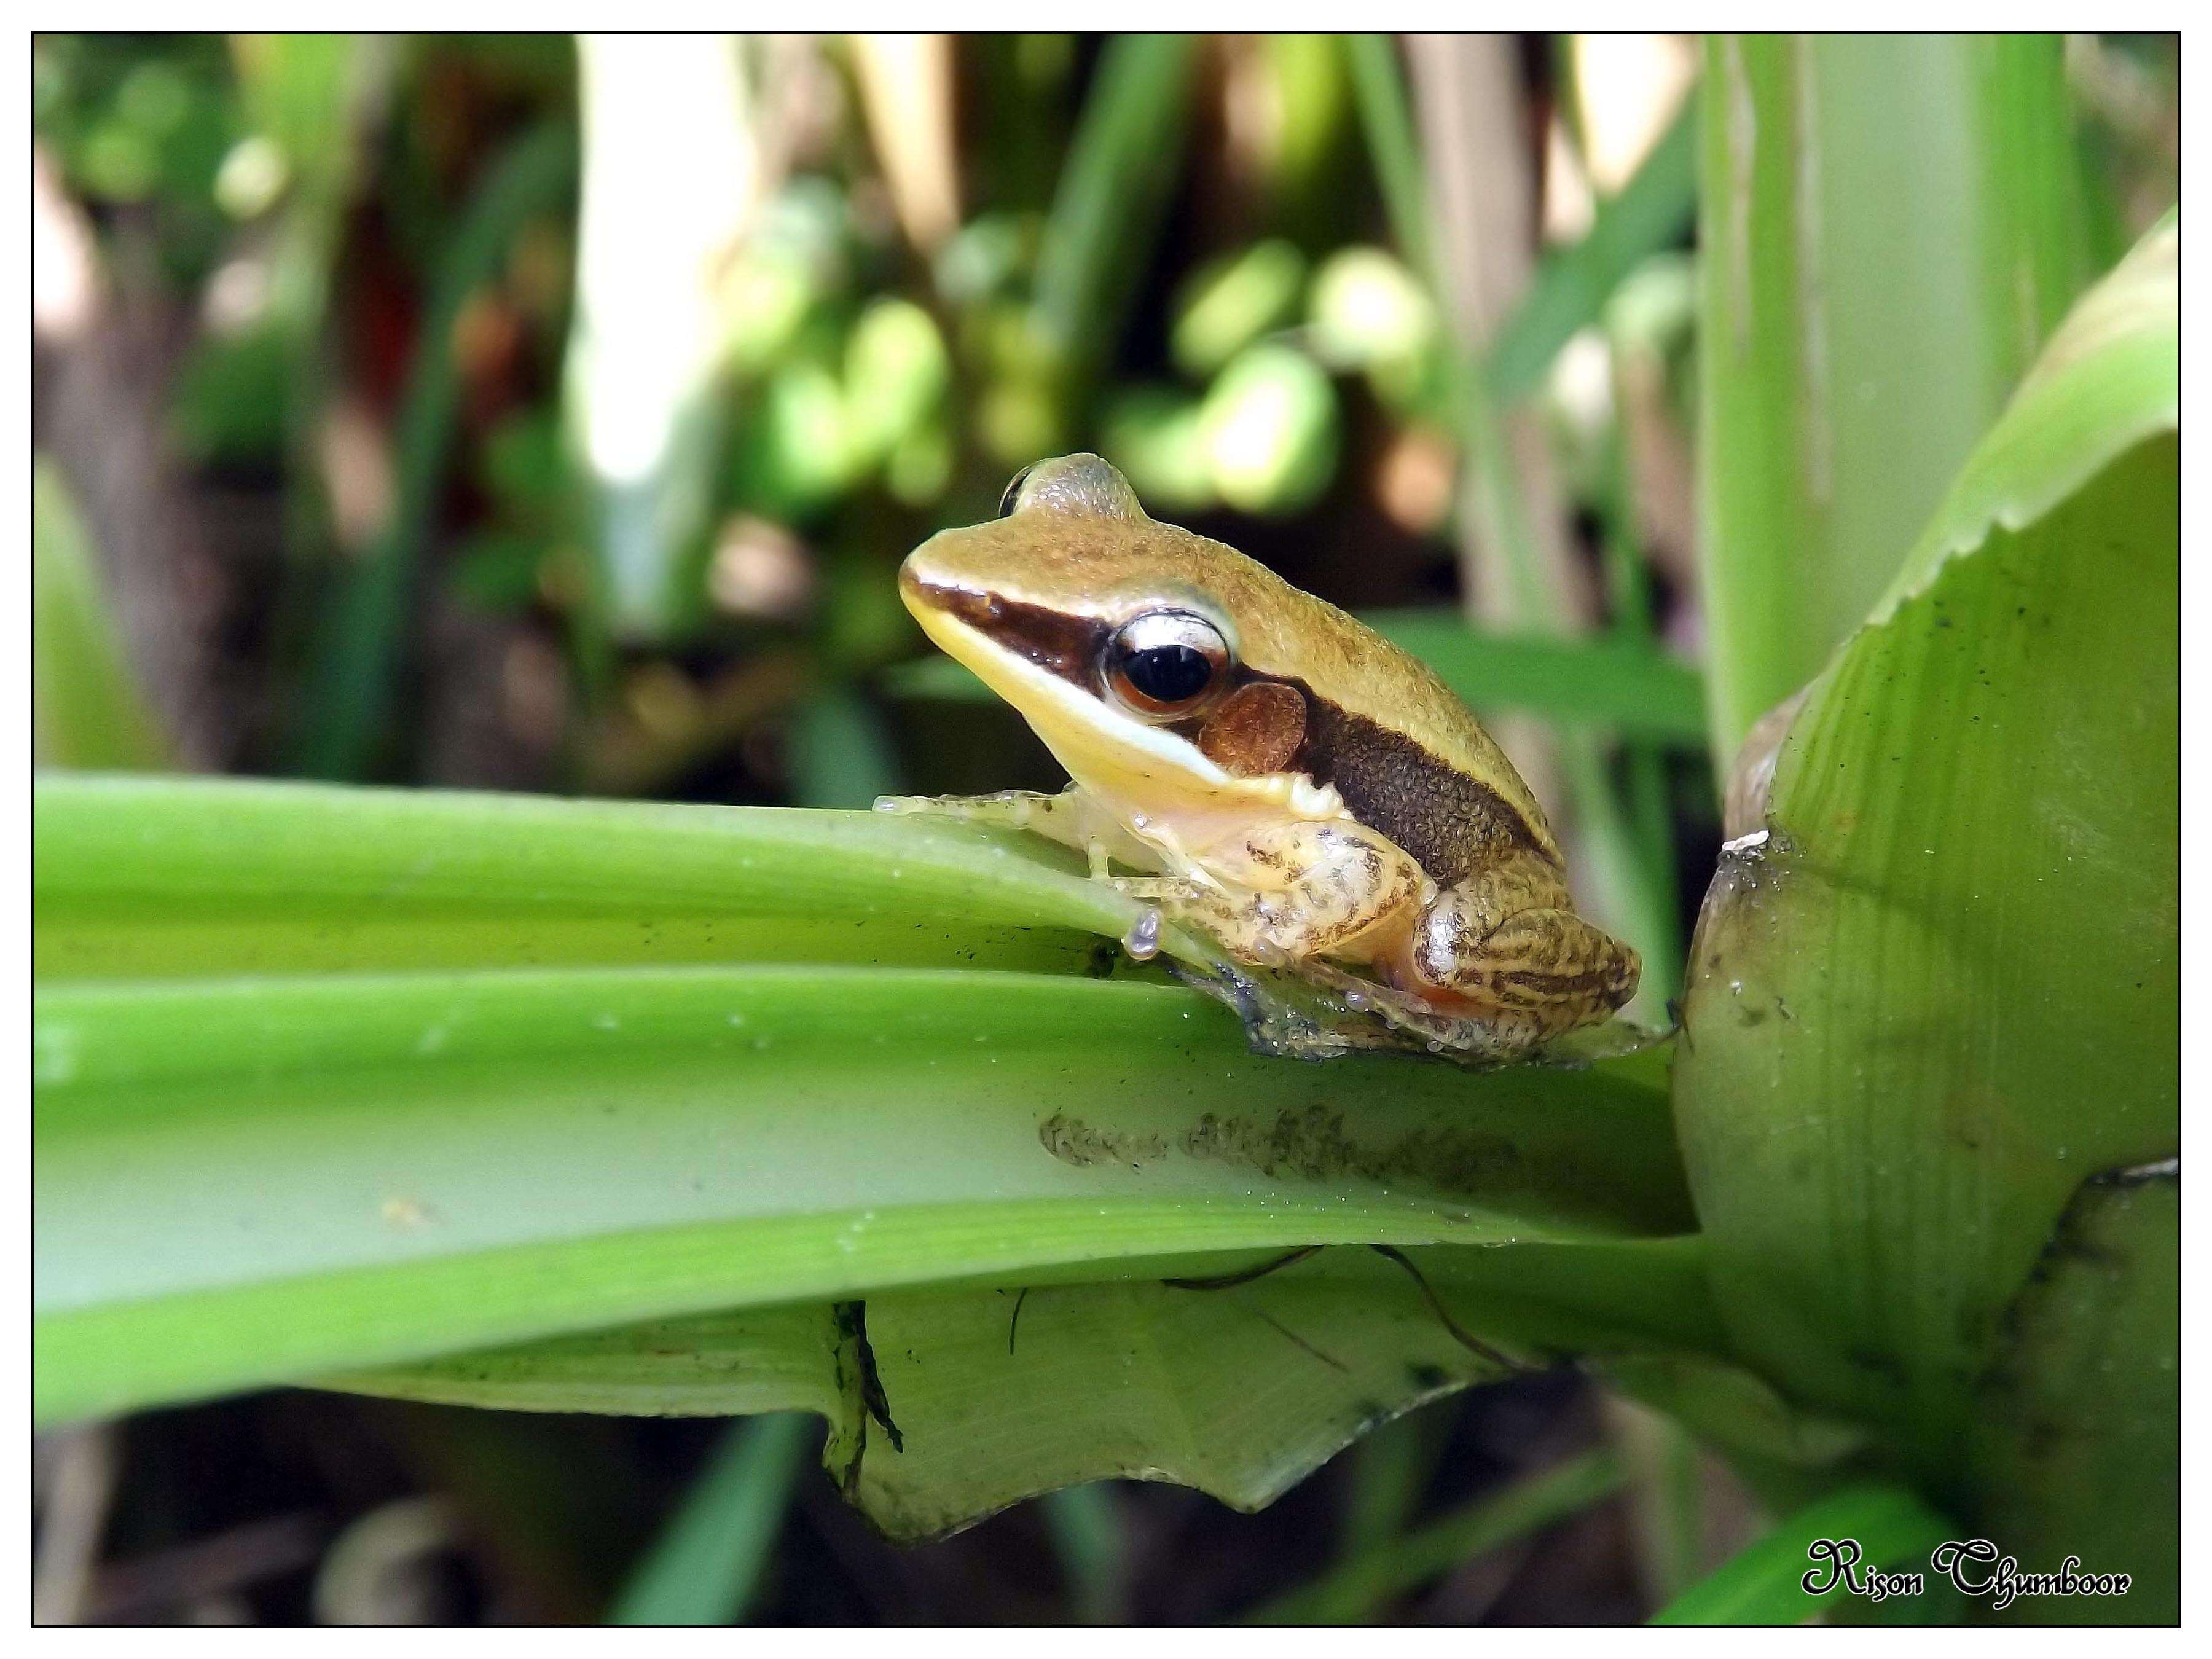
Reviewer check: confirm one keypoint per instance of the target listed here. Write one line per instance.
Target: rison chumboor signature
(1975, 1567)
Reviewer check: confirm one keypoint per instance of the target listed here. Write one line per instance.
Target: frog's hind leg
(1532, 975)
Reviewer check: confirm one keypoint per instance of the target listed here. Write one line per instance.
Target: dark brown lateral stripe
(1454, 824)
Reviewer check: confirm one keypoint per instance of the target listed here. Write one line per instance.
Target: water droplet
(1142, 941)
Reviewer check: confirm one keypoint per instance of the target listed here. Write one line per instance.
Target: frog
(1264, 768)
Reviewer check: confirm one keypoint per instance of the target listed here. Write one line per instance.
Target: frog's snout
(934, 577)
(910, 582)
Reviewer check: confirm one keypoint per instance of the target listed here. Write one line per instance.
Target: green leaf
(1113, 193)
(1888, 240)
(1092, 1544)
(87, 710)
(2079, 1444)
(174, 878)
(1787, 1453)
(421, 1074)
(1623, 684)
(1766, 1584)
(1956, 952)
(243, 1182)
(1002, 1391)
(1355, 1590)
(706, 1568)
(1605, 682)
(1652, 212)
(350, 694)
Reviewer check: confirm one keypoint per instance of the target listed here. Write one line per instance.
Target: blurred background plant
(551, 414)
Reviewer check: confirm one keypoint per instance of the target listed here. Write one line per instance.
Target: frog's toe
(1164, 889)
(1404, 1011)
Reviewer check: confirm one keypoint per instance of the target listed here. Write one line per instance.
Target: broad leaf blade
(242, 1180)
(1888, 238)
(1000, 1392)
(332, 1080)
(176, 878)
(336, 1077)
(1945, 990)
(2079, 1439)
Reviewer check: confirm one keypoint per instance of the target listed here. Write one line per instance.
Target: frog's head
(1127, 644)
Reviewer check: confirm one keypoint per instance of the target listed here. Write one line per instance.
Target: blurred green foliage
(333, 210)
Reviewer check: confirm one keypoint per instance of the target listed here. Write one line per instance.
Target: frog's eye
(1012, 499)
(1165, 663)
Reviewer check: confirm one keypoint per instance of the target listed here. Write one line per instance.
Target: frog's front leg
(1071, 817)
(1290, 892)
(1505, 949)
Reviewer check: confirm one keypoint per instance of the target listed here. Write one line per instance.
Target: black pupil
(1168, 674)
